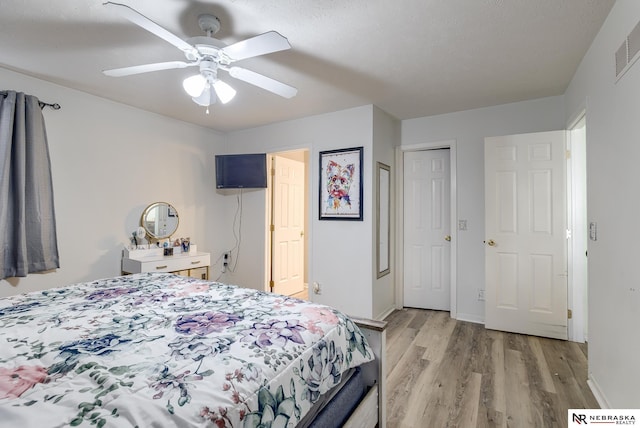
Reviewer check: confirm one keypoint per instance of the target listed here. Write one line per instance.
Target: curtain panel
(28, 240)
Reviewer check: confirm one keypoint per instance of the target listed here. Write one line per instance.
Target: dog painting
(341, 184)
(339, 181)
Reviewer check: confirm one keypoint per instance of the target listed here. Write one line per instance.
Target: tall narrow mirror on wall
(383, 237)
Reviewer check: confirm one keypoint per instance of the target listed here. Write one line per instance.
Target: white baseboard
(470, 318)
(597, 393)
(385, 313)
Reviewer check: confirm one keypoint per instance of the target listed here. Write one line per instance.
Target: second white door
(427, 229)
(526, 251)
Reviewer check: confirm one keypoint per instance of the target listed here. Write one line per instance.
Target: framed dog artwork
(341, 184)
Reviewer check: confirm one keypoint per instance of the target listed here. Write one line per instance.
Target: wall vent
(633, 42)
(621, 59)
(628, 52)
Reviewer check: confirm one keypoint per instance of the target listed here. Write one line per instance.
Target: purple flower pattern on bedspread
(274, 333)
(110, 293)
(205, 322)
(158, 349)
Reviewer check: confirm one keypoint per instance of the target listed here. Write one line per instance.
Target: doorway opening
(288, 221)
(451, 213)
(577, 213)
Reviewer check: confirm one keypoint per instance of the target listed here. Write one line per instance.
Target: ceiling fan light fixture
(195, 85)
(224, 91)
(206, 98)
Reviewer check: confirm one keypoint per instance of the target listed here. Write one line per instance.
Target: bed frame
(372, 411)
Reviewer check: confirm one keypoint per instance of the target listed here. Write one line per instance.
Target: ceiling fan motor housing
(209, 24)
(209, 69)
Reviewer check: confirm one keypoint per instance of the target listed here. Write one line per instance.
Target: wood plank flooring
(302, 295)
(447, 373)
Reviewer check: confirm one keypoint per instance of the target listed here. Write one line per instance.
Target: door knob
(491, 243)
(447, 238)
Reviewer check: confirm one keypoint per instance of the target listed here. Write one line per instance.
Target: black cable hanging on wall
(42, 104)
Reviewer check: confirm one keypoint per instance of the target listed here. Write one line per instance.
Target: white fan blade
(258, 45)
(144, 22)
(263, 82)
(137, 69)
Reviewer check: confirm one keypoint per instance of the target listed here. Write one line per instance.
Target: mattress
(168, 351)
(338, 404)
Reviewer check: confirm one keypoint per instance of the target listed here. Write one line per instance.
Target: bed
(161, 350)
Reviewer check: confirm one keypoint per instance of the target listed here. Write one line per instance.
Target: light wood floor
(303, 295)
(447, 373)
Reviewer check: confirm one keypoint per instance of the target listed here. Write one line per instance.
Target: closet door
(427, 229)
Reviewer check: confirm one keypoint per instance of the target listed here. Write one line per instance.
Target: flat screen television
(242, 171)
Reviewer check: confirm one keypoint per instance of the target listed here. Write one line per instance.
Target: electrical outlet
(226, 257)
(481, 294)
(462, 224)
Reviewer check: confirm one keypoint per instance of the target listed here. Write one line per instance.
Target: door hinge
(271, 285)
(272, 228)
(273, 171)
(569, 314)
(568, 154)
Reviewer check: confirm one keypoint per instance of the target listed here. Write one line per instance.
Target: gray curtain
(27, 219)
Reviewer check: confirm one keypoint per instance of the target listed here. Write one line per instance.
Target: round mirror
(160, 220)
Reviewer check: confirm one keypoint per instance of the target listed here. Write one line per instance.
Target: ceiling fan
(210, 55)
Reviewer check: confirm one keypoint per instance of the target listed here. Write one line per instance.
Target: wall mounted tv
(242, 171)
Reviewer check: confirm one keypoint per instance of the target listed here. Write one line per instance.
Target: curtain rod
(42, 104)
(54, 106)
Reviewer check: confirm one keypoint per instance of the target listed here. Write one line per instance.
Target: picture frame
(341, 188)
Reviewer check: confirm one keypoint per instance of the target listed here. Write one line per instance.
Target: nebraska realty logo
(582, 417)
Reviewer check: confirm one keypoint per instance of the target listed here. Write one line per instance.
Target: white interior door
(287, 255)
(427, 252)
(526, 238)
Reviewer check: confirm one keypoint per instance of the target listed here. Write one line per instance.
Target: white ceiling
(412, 58)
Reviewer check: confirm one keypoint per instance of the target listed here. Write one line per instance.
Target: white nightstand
(192, 264)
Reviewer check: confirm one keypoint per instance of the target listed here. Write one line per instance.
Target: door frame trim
(399, 258)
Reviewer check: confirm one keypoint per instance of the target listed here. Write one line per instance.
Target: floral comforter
(167, 351)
